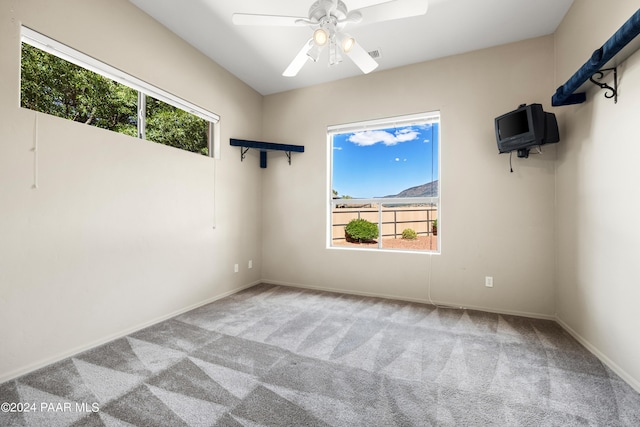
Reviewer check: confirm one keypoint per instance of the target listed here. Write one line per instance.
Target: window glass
(54, 86)
(172, 126)
(57, 80)
(386, 173)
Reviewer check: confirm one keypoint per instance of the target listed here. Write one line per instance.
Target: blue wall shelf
(604, 60)
(264, 147)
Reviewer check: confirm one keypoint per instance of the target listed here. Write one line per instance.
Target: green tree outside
(54, 86)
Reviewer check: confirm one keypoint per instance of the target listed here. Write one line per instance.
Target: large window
(384, 181)
(63, 82)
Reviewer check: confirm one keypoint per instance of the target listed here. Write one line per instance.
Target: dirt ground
(422, 243)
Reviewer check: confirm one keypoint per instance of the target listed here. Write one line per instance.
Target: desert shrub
(361, 230)
(409, 234)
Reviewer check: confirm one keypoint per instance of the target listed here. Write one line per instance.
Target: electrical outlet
(236, 268)
(250, 263)
(488, 281)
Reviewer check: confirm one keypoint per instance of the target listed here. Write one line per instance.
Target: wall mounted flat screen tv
(526, 127)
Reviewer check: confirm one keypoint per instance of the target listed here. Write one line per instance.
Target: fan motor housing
(318, 10)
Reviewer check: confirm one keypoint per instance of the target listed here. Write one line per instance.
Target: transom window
(58, 80)
(384, 184)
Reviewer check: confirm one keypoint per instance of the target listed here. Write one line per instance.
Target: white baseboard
(447, 304)
(42, 363)
(633, 382)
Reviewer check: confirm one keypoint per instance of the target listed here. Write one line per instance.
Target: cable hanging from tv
(538, 149)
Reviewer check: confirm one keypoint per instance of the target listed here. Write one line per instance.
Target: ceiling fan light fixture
(320, 37)
(327, 19)
(347, 42)
(334, 54)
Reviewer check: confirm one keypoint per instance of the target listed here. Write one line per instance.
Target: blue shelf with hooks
(264, 147)
(604, 60)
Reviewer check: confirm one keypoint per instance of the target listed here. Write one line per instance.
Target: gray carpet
(277, 356)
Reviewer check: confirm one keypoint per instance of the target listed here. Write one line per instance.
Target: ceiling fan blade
(268, 20)
(362, 59)
(298, 62)
(393, 10)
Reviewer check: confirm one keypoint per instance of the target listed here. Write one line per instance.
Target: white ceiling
(259, 55)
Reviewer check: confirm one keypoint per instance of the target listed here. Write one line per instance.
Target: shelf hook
(612, 91)
(243, 152)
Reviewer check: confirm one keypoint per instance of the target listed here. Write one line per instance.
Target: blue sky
(382, 162)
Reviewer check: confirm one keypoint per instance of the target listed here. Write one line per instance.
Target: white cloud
(406, 134)
(337, 148)
(371, 137)
(397, 159)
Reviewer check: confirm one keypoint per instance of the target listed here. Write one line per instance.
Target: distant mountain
(429, 189)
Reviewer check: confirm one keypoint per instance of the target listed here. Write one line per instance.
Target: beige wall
(598, 240)
(509, 238)
(119, 232)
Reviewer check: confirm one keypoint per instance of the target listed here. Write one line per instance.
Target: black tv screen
(513, 124)
(525, 127)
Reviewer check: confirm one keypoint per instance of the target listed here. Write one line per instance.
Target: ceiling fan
(328, 18)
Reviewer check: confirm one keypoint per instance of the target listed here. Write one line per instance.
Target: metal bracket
(243, 152)
(612, 91)
(288, 153)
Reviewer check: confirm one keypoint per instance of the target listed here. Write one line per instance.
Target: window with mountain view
(384, 177)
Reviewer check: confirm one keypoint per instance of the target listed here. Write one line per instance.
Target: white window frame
(377, 124)
(80, 59)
